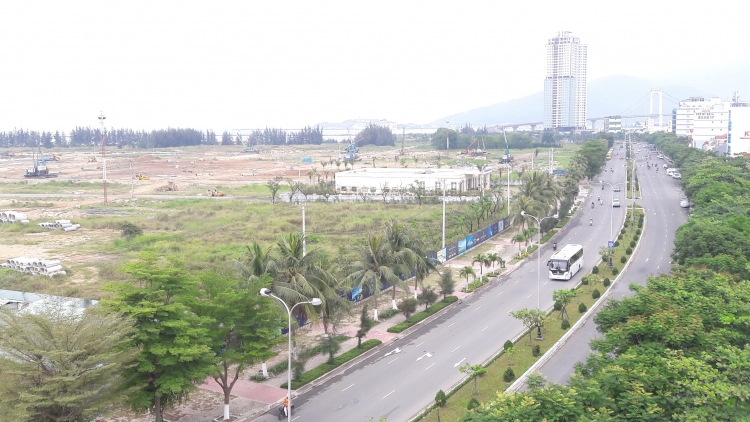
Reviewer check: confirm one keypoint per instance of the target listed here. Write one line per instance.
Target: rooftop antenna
(104, 157)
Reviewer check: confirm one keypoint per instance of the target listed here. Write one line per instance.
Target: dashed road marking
(389, 394)
(347, 388)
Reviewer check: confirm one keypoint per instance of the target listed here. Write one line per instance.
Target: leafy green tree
(365, 324)
(274, 185)
(474, 371)
(376, 267)
(330, 344)
(243, 326)
(407, 306)
(427, 298)
(446, 283)
(531, 318)
(564, 297)
(409, 254)
(375, 135)
(59, 365)
(174, 342)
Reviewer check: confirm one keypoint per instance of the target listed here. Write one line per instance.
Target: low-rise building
(375, 180)
(713, 124)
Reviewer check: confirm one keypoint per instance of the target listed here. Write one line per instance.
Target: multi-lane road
(661, 201)
(397, 385)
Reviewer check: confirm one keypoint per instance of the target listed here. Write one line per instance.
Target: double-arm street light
(538, 262)
(611, 214)
(315, 302)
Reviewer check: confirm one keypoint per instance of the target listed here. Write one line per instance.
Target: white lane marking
(347, 388)
(658, 267)
(459, 362)
(478, 307)
(419, 344)
(499, 294)
(429, 367)
(545, 283)
(529, 296)
(646, 259)
(389, 394)
(451, 325)
(394, 360)
(517, 281)
(295, 418)
(485, 328)
(455, 349)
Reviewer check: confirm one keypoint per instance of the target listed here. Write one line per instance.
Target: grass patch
(321, 370)
(418, 317)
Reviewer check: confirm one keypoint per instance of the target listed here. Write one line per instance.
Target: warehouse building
(375, 180)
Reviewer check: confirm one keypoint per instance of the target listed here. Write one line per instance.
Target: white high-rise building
(714, 124)
(565, 97)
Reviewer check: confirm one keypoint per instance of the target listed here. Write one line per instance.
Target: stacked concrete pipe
(35, 266)
(13, 217)
(65, 225)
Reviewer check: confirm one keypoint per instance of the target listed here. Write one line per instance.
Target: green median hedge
(321, 370)
(422, 315)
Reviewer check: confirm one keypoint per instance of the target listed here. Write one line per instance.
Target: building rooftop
(415, 172)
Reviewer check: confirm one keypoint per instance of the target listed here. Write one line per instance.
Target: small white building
(374, 180)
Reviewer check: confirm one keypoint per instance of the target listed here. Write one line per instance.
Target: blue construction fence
(457, 248)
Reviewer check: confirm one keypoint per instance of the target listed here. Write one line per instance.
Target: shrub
(617, 243)
(440, 398)
(565, 324)
(619, 237)
(509, 375)
(638, 232)
(584, 282)
(606, 282)
(640, 224)
(387, 314)
(595, 270)
(623, 230)
(422, 315)
(508, 345)
(623, 260)
(318, 371)
(582, 307)
(632, 244)
(536, 351)
(557, 306)
(615, 271)
(473, 404)
(628, 251)
(130, 230)
(595, 294)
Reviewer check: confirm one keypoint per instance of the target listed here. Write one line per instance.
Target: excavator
(40, 168)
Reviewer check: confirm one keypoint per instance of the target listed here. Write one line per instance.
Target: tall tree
(174, 342)
(59, 365)
(374, 270)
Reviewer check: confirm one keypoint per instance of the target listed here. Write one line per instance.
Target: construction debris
(35, 266)
(65, 225)
(169, 187)
(12, 217)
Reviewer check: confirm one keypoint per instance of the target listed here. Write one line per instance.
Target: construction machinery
(141, 176)
(474, 152)
(351, 154)
(169, 187)
(249, 148)
(91, 159)
(40, 168)
(507, 158)
(214, 192)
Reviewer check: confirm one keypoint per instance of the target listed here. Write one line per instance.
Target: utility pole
(403, 137)
(104, 157)
(443, 183)
(304, 240)
(132, 184)
(447, 139)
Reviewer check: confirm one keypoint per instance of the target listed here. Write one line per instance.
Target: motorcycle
(554, 246)
(283, 414)
(591, 222)
(592, 205)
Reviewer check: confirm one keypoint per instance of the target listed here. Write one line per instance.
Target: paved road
(399, 385)
(660, 198)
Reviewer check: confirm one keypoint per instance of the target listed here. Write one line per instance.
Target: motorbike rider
(285, 406)
(554, 246)
(592, 204)
(591, 221)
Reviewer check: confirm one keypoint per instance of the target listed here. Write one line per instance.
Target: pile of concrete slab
(64, 225)
(35, 266)
(12, 217)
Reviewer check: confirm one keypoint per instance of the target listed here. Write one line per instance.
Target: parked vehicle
(616, 202)
(676, 175)
(684, 203)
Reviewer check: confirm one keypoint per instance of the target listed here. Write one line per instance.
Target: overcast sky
(246, 64)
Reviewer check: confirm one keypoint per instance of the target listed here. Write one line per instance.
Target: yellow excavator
(141, 176)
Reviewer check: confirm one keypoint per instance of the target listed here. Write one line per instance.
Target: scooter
(591, 222)
(283, 414)
(592, 205)
(554, 246)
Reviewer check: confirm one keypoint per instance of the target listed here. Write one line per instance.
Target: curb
(516, 386)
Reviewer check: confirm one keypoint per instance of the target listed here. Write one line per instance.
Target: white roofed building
(374, 180)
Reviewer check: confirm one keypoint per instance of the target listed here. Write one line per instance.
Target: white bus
(566, 262)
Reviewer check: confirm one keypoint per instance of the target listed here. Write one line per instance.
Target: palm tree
(326, 173)
(518, 238)
(410, 253)
(310, 174)
(481, 259)
(299, 278)
(374, 269)
(493, 258)
(258, 262)
(466, 272)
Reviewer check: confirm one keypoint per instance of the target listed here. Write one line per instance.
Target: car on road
(659, 156)
(666, 166)
(676, 175)
(684, 203)
(617, 188)
(616, 202)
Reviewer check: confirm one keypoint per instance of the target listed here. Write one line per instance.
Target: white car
(676, 175)
(659, 156)
(616, 202)
(684, 203)
(666, 166)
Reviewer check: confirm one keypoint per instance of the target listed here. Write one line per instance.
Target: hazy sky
(245, 64)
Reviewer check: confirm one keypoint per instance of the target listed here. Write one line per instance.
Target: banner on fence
(456, 248)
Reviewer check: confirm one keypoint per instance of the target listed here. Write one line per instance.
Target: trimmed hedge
(389, 313)
(319, 371)
(422, 315)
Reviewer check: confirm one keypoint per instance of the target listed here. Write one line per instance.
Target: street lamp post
(442, 182)
(538, 265)
(315, 302)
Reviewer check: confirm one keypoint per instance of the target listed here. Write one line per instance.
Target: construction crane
(40, 168)
(507, 158)
(249, 148)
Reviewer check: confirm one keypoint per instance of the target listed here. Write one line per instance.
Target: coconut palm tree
(374, 269)
(466, 272)
(409, 250)
(481, 259)
(493, 258)
(257, 263)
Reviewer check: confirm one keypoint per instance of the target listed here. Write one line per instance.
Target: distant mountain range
(618, 94)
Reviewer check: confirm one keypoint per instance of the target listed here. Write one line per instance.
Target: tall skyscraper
(565, 83)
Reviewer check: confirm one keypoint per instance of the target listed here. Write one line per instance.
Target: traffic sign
(611, 244)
